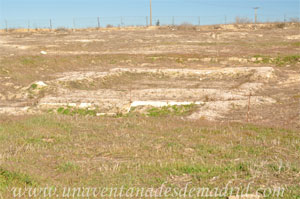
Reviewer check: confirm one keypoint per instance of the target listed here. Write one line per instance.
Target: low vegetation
(75, 111)
(76, 147)
(171, 110)
(279, 60)
(242, 20)
(145, 152)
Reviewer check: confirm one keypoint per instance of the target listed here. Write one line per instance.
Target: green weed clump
(67, 166)
(8, 177)
(171, 110)
(278, 61)
(76, 111)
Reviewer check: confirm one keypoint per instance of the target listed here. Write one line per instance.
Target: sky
(79, 12)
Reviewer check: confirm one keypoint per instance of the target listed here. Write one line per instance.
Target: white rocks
(44, 53)
(72, 104)
(244, 61)
(236, 59)
(293, 37)
(233, 59)
(85, 105)
(161, 103)
(193, 59)
(41, 84)
(207, 59)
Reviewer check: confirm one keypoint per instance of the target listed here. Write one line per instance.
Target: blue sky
(85, 11)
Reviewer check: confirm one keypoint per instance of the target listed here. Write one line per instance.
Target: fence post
(147, 21)
(74, 25)
(121, 21)
(28, 25)
(249, 103)
(199, 21)
(6, 25)
(50, 24)
(173, 21)
(284, 18)
(225, 19)
(98, 20)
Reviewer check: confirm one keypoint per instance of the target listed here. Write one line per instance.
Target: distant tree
(158, 23)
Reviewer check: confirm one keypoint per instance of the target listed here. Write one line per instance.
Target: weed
(33, 86)
(7, 178)
(67, 167)
(280, 25)
(171, 110)
(186, 26)
(76, 111)
(27, 61)
(279, 61)
(242, 20)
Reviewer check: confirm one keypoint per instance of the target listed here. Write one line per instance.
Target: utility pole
(255, 9)
(150, 12)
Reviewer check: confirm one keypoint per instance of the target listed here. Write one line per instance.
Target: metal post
(98, 20)
(6, 25)
(199, 21)
(50, 24)
(74, 25)
(28, 26)
(173, 21)
(255, 9)
(146, 21)
(122, 21)
(150, 12)
(284, 19)
(225, 19)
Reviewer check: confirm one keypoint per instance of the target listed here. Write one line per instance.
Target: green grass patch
(67, 167)
(33, 86)
(279, 60)
(76, 111)
(171, 110)
(8, 178)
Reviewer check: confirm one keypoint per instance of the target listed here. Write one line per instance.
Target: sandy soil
(231, 73)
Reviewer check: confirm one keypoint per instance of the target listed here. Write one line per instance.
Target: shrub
(295, 20)
(158, 23)
(280, 25)
(186, 26)
(62, 29)
(242, 20)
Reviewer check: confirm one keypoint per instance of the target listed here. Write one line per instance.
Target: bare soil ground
(123, 82)
(108, 69)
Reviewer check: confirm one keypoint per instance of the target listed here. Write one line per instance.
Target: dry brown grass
(135, 150)
(145, 151)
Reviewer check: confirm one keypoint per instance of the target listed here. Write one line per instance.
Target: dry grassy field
(144, 107)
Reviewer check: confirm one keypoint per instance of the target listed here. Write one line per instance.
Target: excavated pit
(214, 91)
